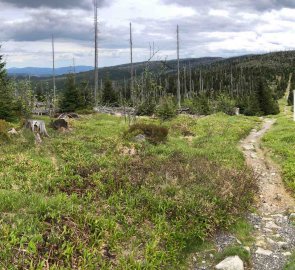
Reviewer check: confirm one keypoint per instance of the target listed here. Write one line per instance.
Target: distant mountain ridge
(44, 72)
(269, 61)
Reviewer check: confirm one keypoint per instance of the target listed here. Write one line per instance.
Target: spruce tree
(250, 105)
(291, 98)
(267, 102)
(109, 96)
(291, 94)
(71, 100)
(7, 106)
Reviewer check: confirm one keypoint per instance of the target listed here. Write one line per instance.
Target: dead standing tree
(53, 75)
(131, 67)
(95, 53)
(178, 71)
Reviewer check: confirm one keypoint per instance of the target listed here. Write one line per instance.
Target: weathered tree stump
(37, 126)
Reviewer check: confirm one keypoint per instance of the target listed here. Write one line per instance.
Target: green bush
(199, 105)
(166, 109)
(154, 134)
(146, 108)
(225, 103)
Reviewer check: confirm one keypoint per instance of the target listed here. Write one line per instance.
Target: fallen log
(68, 115)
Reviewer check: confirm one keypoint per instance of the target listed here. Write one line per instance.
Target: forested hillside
(252, 83)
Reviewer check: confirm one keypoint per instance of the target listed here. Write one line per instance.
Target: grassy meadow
(281, 141)
(93, 198)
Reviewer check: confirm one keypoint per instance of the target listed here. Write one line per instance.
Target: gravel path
(274, 233)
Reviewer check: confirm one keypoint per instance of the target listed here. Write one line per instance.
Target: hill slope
(270, 61)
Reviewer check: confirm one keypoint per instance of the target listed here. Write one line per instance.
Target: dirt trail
(274, 233)
(273, 196)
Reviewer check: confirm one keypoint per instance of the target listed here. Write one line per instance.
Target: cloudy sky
(207, 28)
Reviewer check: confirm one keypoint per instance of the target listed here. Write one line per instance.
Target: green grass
(291, 264)
(234, 251)
(78, 202)
(281, 141)
(243, 231)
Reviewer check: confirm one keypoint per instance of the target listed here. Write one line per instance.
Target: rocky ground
(273, 223)
(274, 231)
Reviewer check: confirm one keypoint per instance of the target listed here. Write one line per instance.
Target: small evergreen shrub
(146, 108)
(225, 104)
(199, 105)
(166, 109)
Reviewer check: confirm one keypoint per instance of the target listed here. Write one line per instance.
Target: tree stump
(37, 126)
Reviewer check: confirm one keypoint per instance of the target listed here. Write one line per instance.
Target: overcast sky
(207, 28)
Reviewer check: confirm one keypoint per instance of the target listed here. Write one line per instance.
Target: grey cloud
(62, 4)
(42, 24)
(258, 5)
(67, 25)
(194, 30)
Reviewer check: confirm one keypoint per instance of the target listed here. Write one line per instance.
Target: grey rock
(271, 225)
(247, 249)
(283, 245)
(231, 263)
(140, 138)
(12, 131)
(270, 241)
(248, 147)
(263, 252)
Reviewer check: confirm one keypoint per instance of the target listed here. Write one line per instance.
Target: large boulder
(231, 263)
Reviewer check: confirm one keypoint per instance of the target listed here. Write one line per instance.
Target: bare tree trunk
(185, 88)
(231, 81)
(178, 71)
(200, 81)
(190, 79)
(131, 66)
(96, 53)
(53, 74)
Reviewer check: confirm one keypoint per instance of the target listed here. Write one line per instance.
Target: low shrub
(146, 108)
(85, 111)
(154, 134)
(225, 104)
(199, 105)
(3, 131)
(166, 109)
